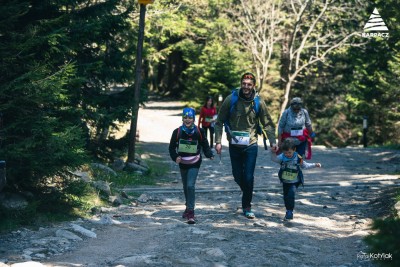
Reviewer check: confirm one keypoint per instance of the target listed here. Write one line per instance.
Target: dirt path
(333, 211)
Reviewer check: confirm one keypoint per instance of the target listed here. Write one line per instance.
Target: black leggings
(211, 129)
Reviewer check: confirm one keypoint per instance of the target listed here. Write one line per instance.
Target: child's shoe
(289, 215)
(185, 213)
(248, 213)
(190, 217)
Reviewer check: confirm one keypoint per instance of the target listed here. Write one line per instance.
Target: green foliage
(65, 66)
(68, 200)
(356, 82)
(131, 179)
(103, 47)
(193, 54)
(73, 198)
(15, 218)
(126, 178)
(41, 132)
(215, 73)
(179, 38)
(386, 240)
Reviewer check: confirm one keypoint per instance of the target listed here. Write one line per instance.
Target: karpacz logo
(375, 26)
(375, 34)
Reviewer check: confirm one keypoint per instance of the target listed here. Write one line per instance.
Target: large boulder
(130, 166)
(103, 186)
(104, 168)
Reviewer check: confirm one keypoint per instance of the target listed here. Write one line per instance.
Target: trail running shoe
(248, 213)
(289, 215)
(190, 217)
(185, 214)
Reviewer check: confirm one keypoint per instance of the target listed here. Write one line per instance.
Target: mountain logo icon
(375, 26)
(375, 23)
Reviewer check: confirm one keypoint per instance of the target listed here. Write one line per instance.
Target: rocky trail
(333, 214)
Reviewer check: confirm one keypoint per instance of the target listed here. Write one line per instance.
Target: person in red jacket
(208, 115)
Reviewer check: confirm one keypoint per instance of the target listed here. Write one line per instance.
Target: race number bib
(208, 119)
(289, 174)
(186, 146)
(296, 132)
(243, 138)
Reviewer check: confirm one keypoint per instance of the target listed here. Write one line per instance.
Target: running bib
(289, 174)
(296, 132)
(243, 138)
(186, 146)
(208, 119)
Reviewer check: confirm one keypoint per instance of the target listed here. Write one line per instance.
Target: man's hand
(178, 159)
(218, 148)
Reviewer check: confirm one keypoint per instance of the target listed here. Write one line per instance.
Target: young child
(290, 172)
(185, 146)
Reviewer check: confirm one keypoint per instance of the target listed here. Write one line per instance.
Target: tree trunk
(286, 82)
(286, 97)
(135, 108)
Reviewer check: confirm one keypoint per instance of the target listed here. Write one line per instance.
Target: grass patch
(76, 199)
(51, 205)
(157, 169)
(387, 235)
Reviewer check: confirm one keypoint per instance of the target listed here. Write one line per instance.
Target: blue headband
(189, 112)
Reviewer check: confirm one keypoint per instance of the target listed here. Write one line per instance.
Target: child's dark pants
(289, 191)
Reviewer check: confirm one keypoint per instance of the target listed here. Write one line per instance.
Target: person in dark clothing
(241, 122)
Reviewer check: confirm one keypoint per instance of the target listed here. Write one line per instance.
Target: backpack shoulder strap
(234, 99)
(178, 134)
(257, 104)
(300, 162)
(199, 132)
